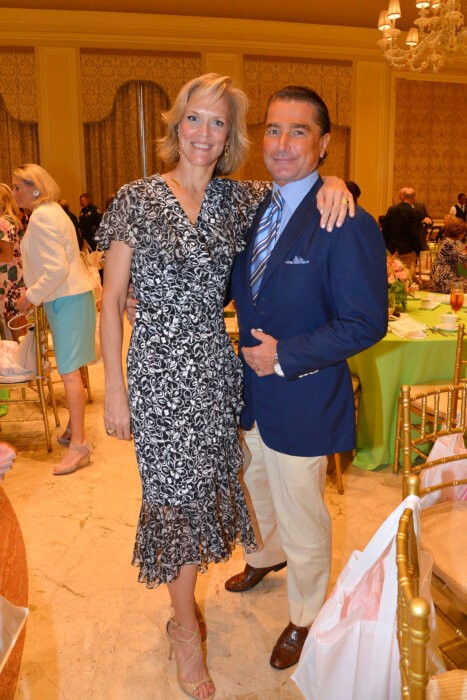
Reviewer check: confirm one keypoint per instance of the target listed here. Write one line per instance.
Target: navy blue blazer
(324, 297)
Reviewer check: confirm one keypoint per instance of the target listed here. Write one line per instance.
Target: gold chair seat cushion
(451, 685)
(444, 534)
(430, 404)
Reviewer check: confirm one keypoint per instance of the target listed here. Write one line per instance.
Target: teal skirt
(72, 322)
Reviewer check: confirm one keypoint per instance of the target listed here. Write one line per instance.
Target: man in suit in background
(89, 219)
(403, 227)
(460, 209)
(306, 301)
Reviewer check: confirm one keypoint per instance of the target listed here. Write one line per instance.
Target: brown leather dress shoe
(288, 647)
(250, 577)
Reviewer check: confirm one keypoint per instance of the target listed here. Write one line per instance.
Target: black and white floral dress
(452, 254)
(183, 376)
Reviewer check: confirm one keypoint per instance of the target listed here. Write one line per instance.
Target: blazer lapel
(305, 216)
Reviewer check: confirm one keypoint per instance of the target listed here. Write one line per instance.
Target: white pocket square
(297, 261)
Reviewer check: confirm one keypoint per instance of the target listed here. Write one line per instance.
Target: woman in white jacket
(55, 276)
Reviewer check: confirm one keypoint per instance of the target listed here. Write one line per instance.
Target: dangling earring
(227, 153)
(36, 193)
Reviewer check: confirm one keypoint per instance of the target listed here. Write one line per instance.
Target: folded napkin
(406, 327)
(426, 305)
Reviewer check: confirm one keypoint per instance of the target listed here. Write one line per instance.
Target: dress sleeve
(7, 230)
(246, 197)
(119, 222)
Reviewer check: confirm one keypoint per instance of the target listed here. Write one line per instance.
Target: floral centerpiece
(398, 281)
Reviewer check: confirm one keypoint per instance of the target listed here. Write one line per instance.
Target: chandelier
(438, 34)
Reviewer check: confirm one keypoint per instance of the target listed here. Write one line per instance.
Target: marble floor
(93, 631)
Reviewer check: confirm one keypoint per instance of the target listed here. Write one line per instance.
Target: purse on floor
(351, 651)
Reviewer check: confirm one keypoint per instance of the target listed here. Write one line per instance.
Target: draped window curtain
(337, 162)
(122, 146)
(20, 143)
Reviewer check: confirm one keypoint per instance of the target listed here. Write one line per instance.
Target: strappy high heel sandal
(203, 630)
(193, 640)
(71, 462)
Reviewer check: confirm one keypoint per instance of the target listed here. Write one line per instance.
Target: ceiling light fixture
(438, 34)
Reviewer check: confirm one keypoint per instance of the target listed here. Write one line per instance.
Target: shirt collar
(294, 192)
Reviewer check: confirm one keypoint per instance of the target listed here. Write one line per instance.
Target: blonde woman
(54, 275)
(11, 266)
(452, 256)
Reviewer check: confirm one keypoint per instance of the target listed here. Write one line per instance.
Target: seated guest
(452, 256)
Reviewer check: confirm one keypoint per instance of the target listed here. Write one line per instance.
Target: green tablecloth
(4, 394)
(383, 368)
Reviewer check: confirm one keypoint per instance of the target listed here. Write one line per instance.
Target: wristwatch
(277, 367)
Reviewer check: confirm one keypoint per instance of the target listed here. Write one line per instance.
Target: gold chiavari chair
(337, 456)
(38, 390)
(443, 493)
(428, 407)
(413, 628)
(424, 269)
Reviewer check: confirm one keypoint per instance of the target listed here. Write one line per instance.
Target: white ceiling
(363, 13)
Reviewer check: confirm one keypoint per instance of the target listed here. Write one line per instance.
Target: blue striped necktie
(266, 238)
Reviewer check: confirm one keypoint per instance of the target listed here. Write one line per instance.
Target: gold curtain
(337, 162)
(19, 143)
(113, 145)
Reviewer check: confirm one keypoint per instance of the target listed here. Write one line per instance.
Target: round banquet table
(383, 368)
(13, 586)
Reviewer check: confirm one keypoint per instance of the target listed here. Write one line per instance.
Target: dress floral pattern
(184, 378)
(11, 273)
(445, 270)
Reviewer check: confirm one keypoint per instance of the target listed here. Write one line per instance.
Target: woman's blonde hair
(35, 175)
(8, 205)
(454, 227)
(214, 86)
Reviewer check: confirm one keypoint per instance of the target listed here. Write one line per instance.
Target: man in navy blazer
(322, 298)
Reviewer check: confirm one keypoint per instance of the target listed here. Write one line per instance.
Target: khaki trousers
(286, 494)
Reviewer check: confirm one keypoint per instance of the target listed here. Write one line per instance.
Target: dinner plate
(428, 305)
(440, 327)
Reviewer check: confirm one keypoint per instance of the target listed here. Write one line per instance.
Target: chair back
(433, 422)
(413, 612)
(431, 427)
(459, 361)
(42, 342)
(38, 388)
